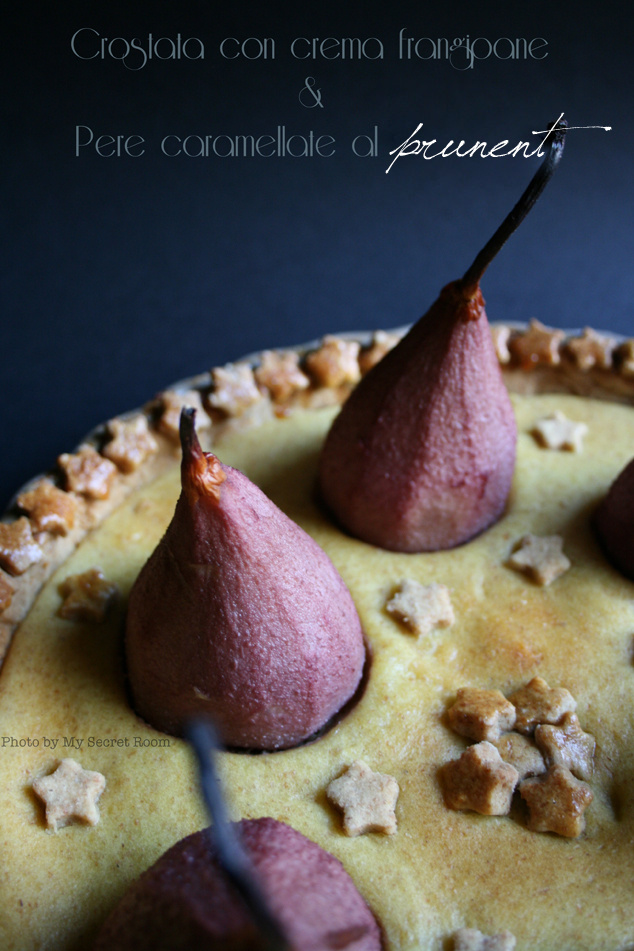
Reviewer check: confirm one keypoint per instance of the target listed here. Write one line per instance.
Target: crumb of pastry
(381, 345)
(130, 444)
(280, 374)
(87, 597)
(541, 558)
(50, 509)
(470, 939)
(520, 752)
(556, 802)
(536, 703)
(18, 548)
(336, 362)
(87, 472)
(591, 350)
(558, 432)
(539, 345)
(70, 794)
(481, 714)
(420, 607)
(234, 389)
(479, 780)
(567, 745)
(171, 404)
(367, 799)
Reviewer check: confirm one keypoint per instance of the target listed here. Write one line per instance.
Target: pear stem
(201, 472)
(228, 849)
(188, 435)
(471, 280)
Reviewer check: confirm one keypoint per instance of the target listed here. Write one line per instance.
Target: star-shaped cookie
(87, 597)
(234, 389)
(542, 559)
(567, 745)
(521, 753)
(481, 714)
(334, 363)
(536, 702)
(479, 780)
(18, 549)
(279, 372)
(51, 510)
(70, 793)
(558, 432)
(130, 444)
(368, 800)
(421, 607)
(538, 345)
(556, 802)
(87, 472)
(591, 349)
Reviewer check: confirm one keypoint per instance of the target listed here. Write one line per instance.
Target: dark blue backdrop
(121, 274)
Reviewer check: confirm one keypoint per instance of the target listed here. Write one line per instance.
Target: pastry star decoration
(481, 714)
(422, 607)
(479, 780)
(18, 549)
(87, 597)
(234, 389)
(336, 362)
(539, 345)
(559, 432)
(536, 703)
(556, 802)
(521, 753)
(367, 799)
(280, 374)
(70, 793)
(540, 558)
(591, 349)
(130, 444)
(567, 745)
(51, 510)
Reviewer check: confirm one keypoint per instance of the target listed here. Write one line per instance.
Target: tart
(502, 624)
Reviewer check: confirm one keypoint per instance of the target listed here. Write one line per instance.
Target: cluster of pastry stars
(485, 776)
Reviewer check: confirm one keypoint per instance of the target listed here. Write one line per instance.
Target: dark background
(122, 275)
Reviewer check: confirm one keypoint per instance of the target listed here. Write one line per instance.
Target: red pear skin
(239, 616)
(421, 457)
(184, 900)
(614, 522)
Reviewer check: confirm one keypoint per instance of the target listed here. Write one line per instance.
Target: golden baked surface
(442, 870)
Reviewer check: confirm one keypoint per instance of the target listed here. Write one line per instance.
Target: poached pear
(239, 616)
(184, 901)
(422, 455)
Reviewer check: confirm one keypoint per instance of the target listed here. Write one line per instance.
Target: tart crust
(442, 870)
